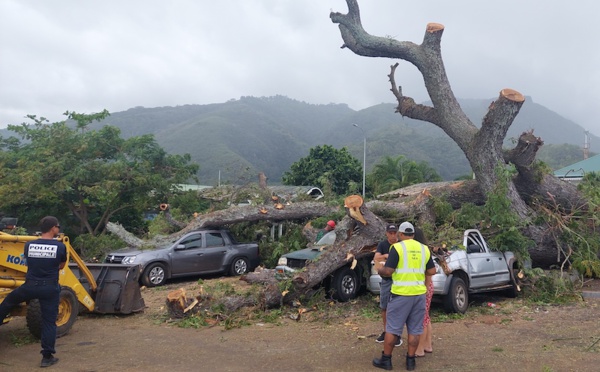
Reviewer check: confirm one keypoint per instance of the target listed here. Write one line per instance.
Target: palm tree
(393, 173)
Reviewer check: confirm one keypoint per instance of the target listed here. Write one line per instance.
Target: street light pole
(364, 158)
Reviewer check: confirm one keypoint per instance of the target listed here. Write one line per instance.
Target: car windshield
(327, 239)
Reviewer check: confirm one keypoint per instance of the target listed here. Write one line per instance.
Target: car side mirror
(179, 247)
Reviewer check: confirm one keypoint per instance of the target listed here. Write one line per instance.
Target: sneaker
(47, 362)
(382, 337)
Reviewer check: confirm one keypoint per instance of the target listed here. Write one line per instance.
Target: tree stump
(178, 305)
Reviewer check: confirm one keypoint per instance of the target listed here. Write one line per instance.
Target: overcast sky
(86, 56)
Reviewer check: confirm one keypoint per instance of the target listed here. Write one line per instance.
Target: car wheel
(239, 266)
(154, 275)
(344, 285)
(457, 299)
(68, 308)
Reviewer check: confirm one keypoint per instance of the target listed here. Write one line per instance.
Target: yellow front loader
(98, 288)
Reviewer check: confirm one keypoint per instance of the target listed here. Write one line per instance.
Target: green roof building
(575, 172)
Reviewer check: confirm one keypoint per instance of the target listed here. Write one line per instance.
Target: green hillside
(237, 139)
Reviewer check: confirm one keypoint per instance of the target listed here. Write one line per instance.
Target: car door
(502, 275)
(481, 266)
(186, 254)
(213, 253)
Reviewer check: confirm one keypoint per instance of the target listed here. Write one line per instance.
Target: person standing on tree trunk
(381, 255)
(408, 263)
(45, 258)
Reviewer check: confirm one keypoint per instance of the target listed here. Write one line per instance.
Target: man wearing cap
(381, 255)
(408, 263)
(329, 227)
(45, 258)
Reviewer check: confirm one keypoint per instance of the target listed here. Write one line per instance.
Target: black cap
(391, 228)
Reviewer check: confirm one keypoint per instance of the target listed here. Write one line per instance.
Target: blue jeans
(49, 297)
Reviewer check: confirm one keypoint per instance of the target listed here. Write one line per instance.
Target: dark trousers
(49, 296)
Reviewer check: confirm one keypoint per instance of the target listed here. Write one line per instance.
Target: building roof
(291, 192)
(579, 169)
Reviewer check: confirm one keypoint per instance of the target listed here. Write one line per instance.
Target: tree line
(91, 176)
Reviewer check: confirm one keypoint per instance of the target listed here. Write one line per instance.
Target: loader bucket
(118, 289)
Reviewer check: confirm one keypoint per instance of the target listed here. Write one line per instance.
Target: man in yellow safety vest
(408, 263)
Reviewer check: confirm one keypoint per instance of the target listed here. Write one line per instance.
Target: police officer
(45, 258)
(408, 263)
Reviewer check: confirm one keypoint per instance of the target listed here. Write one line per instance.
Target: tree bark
(233, 214)
(357, 236)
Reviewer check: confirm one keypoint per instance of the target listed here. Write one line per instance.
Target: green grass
(370, 311)
(497, 349)
(439, 316)
(194, 321)
(22, 338)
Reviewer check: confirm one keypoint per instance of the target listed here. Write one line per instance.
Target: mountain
(234, 140)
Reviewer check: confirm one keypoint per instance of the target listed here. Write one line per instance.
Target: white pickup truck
(474, 269)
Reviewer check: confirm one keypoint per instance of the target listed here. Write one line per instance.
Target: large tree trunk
(234, 214)
(357, 235)
(482, 146)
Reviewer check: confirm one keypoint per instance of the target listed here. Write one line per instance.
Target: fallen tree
(231, 215)
(530, 192)
(357, 236)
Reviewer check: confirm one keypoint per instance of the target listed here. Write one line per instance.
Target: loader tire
(68, 308)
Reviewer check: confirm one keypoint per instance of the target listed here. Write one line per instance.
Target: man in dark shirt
(45, 258)
(381, 255)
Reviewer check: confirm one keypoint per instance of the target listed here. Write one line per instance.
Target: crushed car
(474, 269)
(343, 284)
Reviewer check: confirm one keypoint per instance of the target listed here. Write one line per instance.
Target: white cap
(406, 228)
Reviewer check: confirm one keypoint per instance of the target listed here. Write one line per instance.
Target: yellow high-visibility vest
(409, 276)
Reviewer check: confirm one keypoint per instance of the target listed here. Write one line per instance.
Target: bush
(94, 248)
(549, 287)
(270, 251)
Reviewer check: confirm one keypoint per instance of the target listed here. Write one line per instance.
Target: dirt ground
(508, 337)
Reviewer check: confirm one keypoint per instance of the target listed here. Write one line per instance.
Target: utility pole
(586, 145)
(364, 158)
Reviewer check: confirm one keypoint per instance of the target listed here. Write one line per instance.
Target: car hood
(132, 251)
(306, 253)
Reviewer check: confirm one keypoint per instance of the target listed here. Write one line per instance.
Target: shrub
(94, 248)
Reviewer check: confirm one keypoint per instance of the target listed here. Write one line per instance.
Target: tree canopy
(91, 174)
(396, 172)
(325, 167)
